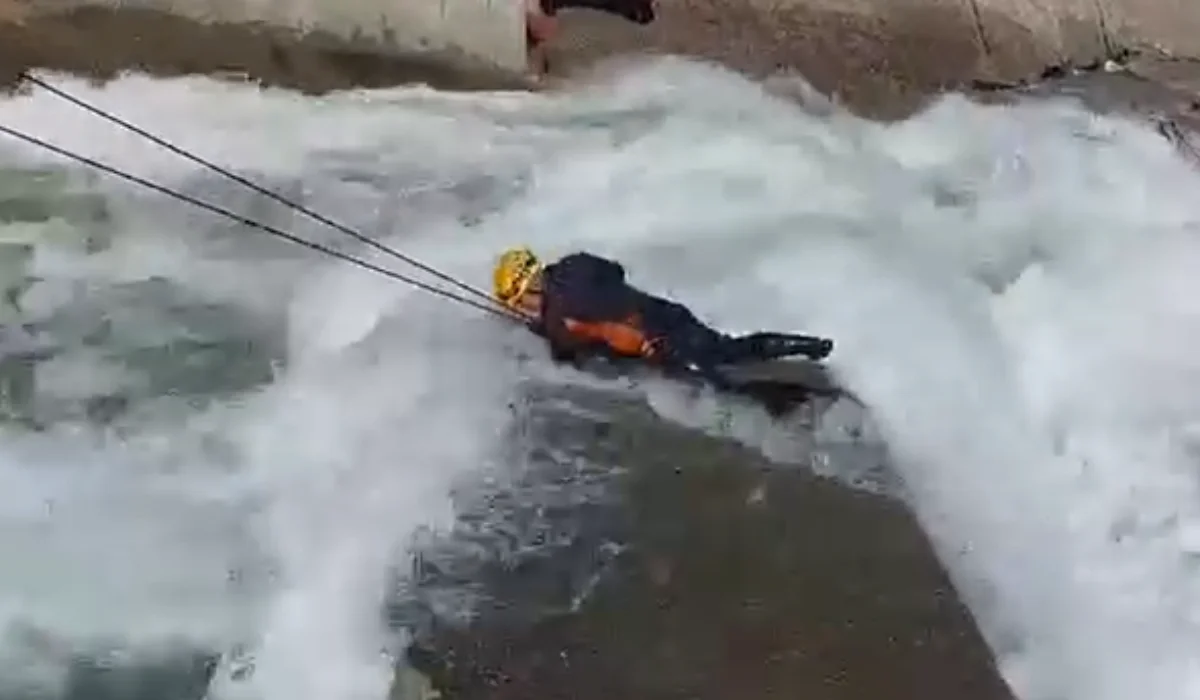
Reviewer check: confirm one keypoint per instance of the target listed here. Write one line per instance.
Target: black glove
(563, 354)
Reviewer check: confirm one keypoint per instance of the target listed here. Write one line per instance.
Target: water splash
(1008, 287)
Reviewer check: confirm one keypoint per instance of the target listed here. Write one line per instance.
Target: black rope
(220, 211)
(58, 92)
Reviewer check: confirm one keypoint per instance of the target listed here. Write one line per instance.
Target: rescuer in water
(583, 306)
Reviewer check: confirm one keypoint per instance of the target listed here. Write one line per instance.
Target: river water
(216, 441)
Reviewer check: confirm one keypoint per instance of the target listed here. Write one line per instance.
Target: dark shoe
(776, 345)
(822, 349)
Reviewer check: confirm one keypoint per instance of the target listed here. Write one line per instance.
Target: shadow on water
(696, 570)
(621, 555)
(617, 555)
(179, 676)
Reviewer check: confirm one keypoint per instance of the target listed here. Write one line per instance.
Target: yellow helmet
(515, 271)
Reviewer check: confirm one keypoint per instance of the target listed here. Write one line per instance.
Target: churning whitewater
(218, 441)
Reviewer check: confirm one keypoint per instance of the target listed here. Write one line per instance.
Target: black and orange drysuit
(589, 309)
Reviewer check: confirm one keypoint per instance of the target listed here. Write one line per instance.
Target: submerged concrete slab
(102, 41)
(489, 31)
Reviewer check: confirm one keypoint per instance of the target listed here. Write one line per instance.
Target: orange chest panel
(625, 337)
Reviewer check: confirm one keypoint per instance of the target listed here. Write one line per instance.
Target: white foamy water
(1010, 289)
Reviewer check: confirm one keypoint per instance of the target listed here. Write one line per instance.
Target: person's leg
(772, 346)
(540, 28)
(688, 337)
(684, 335)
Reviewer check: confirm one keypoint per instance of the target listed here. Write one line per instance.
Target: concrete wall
(945, 39)
(881, 57)
(1170, 25)
(488, 30)
(1065, 29)
(1073, 28)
